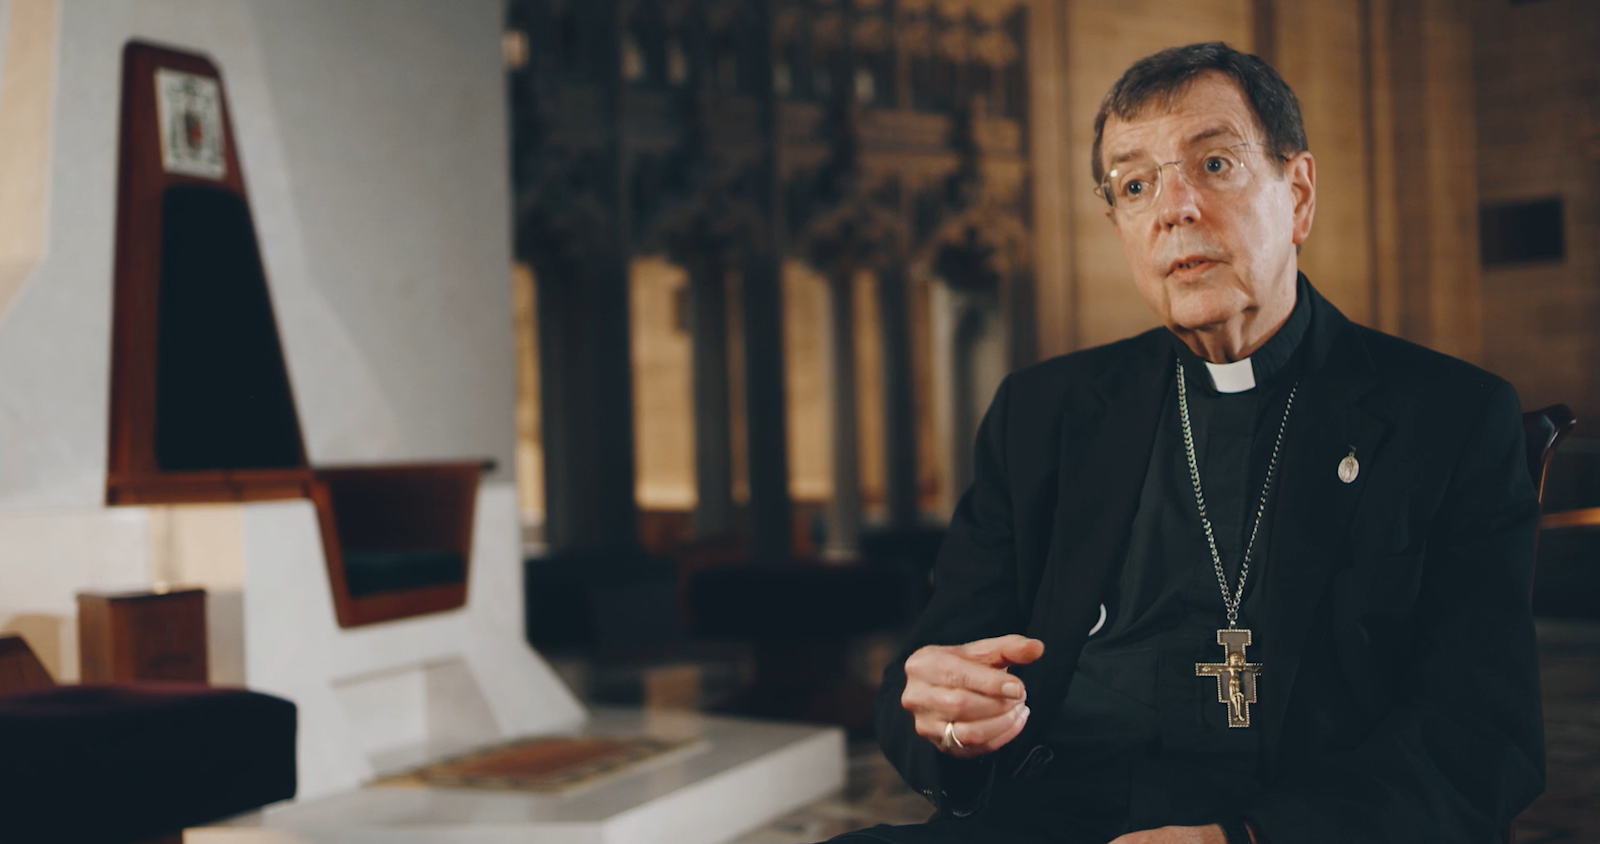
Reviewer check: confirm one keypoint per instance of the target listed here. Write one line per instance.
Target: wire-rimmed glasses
(1135, 186)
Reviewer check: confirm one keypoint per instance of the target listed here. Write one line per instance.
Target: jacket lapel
(1105, 452)
(1315, 507)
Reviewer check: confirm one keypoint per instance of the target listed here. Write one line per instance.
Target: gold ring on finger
(950, 741)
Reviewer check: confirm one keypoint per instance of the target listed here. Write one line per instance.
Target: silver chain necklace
(1236, 675)
(1229, 602)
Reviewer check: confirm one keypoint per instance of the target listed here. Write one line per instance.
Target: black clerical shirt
(1140, 741)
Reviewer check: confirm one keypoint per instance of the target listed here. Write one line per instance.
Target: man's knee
(880, 834)
(934, 832)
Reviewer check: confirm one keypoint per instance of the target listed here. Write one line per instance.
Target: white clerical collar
(1233, 377)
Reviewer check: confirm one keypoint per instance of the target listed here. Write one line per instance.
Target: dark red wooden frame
(134, 476)
(437, 512)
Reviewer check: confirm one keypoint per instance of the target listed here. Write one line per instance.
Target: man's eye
(1216, 164)
(1134, 188)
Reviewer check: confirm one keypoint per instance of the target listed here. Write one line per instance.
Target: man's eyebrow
(1208, 134)
(1125, 155)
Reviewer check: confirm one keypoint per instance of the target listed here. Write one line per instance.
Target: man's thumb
(1012, 649)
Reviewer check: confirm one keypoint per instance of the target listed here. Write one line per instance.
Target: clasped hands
(967, 691)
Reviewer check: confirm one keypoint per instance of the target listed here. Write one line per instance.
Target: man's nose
(1179, 202)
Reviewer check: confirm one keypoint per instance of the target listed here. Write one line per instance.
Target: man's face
(1206, 260)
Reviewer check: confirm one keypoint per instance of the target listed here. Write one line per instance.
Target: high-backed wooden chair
(1544, 429)
(202, 409)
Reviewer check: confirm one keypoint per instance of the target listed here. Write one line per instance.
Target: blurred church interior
(535, 420)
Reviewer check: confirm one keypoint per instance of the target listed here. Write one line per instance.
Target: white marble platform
(750, 773)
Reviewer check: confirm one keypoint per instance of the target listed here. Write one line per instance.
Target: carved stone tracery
(894, 131)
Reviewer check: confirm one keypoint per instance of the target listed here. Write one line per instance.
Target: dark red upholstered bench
(135, 762)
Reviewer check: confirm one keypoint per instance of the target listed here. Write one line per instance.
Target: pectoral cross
(1236, 678)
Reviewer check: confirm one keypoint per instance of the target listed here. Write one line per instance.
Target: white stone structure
(372, 135)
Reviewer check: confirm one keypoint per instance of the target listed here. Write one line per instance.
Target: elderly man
(1259, 575)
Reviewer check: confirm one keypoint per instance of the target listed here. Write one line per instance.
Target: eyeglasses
(1134, 187)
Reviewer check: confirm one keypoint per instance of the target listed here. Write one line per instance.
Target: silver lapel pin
(1349, 467)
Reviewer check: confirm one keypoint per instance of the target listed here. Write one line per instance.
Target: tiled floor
(1569, 810)
(1568, 813)
(873, 794)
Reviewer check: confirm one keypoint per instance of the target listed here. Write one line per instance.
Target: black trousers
(1037, 812)
(1090, 802)
(965, 831)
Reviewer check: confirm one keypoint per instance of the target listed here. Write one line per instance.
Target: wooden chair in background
(1544, 429)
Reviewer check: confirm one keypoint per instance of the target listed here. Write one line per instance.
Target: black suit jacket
(1400, 700)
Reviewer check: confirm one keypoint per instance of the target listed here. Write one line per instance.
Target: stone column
(766, 422)
(766, 433)
(899, 408)
(578, 244)
(967, 327)
(713, 458)
(844, 511)
(586, 406)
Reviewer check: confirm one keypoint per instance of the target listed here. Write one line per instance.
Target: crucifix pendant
(1236, 678)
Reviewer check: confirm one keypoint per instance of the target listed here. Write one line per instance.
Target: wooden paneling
(1053, 164)
(1455, 302)
(1537, 78)
(1319, 52)
(1384, 233)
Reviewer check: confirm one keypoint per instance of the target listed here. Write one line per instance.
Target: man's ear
(1300, 171)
